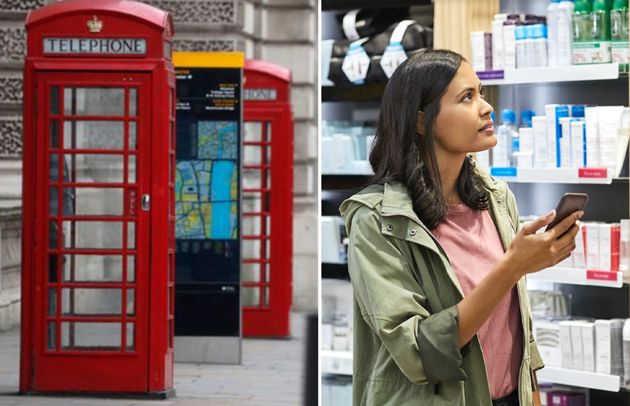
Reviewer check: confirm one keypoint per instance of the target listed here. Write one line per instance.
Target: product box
(615, 247)
(590, 52)
(579, 259)
(591, 116)
(588, 346)
(576, 345)
(565, 398)
(547, 336)
(326, 335)
(566, 344)
(509, 45)
(498, 54)
(565, 142)
(592, 245)
(481, 47)
(619, 53)
(554, 113)
(608, 346)
(539, 126)
(604, 246)
(526, 139)
(578, 143)
(332, 229)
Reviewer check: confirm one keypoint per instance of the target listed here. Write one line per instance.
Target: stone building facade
(283, 32)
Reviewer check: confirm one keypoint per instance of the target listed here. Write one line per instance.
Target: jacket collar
(396, 199)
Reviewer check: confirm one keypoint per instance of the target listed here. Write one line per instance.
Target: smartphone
(570, 203)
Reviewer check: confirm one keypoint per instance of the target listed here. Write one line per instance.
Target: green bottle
(581, 21)
(600, 20)
(619, 34)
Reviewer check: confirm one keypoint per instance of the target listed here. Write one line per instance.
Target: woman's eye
(467, 96)
(482, 93)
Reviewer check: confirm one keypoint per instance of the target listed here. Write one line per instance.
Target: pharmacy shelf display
(550, 74)
(590, 380)
(574, 276)
(336, 362)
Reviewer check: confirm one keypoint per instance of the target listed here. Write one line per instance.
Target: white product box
(326, 335)
(547, 335)
(592, 137)
(539, 126)
(340, 343)
(592, 245)
(481, 43)
(578, 143)
(604, 246)
(554, 113)
(565, 142)
(608, 346)
(576, 345)
(331, 238)
(566, 344)
(588, 345)
(509, 46)
(579, 259)
(526, 139)
(497, 41)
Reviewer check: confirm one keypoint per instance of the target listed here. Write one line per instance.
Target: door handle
(146, 202)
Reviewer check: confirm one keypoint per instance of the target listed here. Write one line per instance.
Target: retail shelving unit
(594, 293)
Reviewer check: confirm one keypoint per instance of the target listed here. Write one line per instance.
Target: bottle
(552, 32)
(564, 32)
(539, 45)
(600, 31)
(582, 47)
(526, 118)
(619, 34)
(505, 132)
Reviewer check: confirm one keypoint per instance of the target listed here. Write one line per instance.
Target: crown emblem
(95, 25)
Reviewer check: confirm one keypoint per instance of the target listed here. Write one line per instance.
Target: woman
(436, 259)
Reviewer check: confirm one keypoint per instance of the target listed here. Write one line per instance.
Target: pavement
(272, 373)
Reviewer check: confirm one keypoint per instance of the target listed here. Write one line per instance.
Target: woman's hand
(531, 252)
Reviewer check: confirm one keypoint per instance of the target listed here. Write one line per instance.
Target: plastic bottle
(539, 45)
(582, 21)
(505, 133)
(619, 34)
(552, 32)
(600, 21)
(565, 35)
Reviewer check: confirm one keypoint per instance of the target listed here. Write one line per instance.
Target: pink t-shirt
(473, 245)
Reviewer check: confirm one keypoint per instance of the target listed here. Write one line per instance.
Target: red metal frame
(148, 367)
(270, 318)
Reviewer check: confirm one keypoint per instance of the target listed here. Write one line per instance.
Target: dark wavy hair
(400, 154)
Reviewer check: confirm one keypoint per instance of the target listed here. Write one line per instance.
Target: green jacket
(406, 349)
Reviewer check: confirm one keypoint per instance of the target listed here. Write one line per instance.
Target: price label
(393, 56)
(356, 63)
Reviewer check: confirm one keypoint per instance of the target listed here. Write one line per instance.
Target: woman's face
(463, 124)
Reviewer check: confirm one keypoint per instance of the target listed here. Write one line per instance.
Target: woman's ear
(420, 123)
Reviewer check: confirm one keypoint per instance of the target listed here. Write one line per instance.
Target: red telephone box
(267, 231)
(98, 208)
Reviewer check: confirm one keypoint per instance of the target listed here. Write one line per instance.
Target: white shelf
(582, 379)
(554, 175)
(579, 277)
(549, 74)
(336, 362)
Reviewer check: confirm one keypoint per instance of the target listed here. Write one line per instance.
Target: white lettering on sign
(260, 94)
(116, 46)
